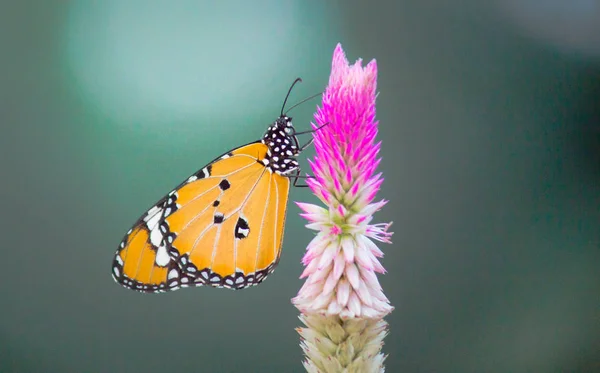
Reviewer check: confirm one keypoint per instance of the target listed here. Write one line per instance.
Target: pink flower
(342, 260)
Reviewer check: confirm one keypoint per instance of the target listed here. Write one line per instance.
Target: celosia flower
(341, 261)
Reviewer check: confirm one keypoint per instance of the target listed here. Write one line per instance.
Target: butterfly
(223, 226)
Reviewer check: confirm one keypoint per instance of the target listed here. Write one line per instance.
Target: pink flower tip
(336, 230)
(341, 261)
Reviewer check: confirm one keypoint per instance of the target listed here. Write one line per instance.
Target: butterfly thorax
(283, 147)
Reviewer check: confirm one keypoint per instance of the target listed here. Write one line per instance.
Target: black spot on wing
(241, 228)
(218, 218)
(224, 184)
(203, 173)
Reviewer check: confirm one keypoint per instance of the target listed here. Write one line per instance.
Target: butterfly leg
(303, 147)
(299, 149)
(310, 131)
(297, 176)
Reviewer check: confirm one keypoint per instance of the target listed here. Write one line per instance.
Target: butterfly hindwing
(221, 227)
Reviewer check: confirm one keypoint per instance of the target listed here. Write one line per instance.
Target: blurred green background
(490, 120)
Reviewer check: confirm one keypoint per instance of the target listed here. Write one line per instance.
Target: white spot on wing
(152, 211)
(156, 237)
(192, 178)
(152, 222)
(172, 274)
(162, 256)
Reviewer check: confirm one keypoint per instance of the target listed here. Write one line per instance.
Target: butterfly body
(282, 147)
(222, 227)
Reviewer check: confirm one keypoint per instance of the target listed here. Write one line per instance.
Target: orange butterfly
(221, 227)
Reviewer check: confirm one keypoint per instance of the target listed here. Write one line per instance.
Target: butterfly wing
(221, 227)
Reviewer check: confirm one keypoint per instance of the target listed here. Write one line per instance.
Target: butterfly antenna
(288, 94)
(303, 101)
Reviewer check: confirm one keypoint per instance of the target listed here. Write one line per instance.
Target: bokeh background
(490, 120)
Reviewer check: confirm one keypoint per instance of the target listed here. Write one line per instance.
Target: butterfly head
(284, 122)
(282, 146)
